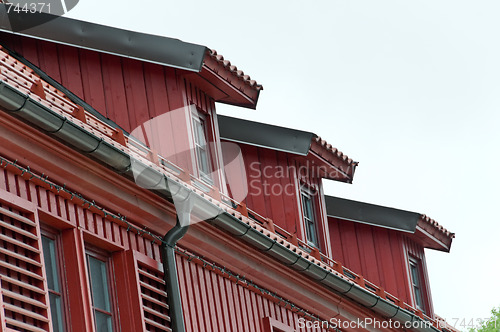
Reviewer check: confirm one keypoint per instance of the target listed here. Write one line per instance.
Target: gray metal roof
(156, 49)
(265, 135)
(371, 214)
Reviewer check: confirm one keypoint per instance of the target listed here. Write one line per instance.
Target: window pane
(201, 133)
(51, 271)
(309, 221)
(99, 283)
(202, 158)
(103, 322)
(55, 311)
(418, 298)
(416, 285)
(201, 146)
(307, 207)
(311, 236)
(414, 274)
(49, 254)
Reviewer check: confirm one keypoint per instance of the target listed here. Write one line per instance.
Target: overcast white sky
(410, 89)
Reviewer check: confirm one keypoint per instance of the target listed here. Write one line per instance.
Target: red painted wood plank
(399, 266)
(156, 89)
(235, 311)
(72, 213)
(262, 306)
(185, 298)
(12, 183)
(140, 244)
(156, 252)
(43, 199)
(132, 240)
(22, 184)
(124, 238)
(116, 231)
(62, 207)
(78, 288)
(3, 179)
(52, 200)
(350, 246)
(235, 173)
(108, 230)
(254, 174)
(249, 308)
(114, 88)
(69, 66)
(32, 191)
(281, 316)
(210, 299)
(128, 294)
(135, 90)
(49, 59)
(30, 50)
(289, 183)
(258, 307)
(197, 307)
(241, 305)
(92, 80)
(219, 311)
(181, 123)
(369, 261)
(383, 252)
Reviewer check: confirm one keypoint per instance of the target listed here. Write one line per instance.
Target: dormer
(283, 169)
(386, 247)
(160, 92)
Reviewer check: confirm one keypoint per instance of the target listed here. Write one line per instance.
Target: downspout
(183, 206)
(170, 275)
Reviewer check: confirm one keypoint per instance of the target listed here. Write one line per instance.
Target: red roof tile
(234, 70)
(334, 151)
(437, 226)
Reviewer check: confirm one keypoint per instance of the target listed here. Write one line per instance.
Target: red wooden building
(127, 204)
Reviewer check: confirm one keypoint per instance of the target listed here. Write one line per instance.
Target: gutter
(22, 106)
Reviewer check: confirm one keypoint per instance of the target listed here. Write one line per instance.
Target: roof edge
(105, 39)
(427, 230)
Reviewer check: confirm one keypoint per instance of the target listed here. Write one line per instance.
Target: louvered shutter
(154, 298)
(24, 296)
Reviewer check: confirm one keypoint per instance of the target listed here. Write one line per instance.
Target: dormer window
(416, 284)
(310, 223)
(201, 146)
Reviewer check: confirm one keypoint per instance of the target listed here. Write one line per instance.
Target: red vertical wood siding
(127, 91)
(213, 302)
(273, 181)
(413, 249)
(376, 253)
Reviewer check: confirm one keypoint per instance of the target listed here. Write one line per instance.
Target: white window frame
(313, 219)
(198, 118)
(417, 286)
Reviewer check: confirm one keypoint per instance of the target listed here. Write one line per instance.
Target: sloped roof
(225, 82)
(298, 142)
(430, 233)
